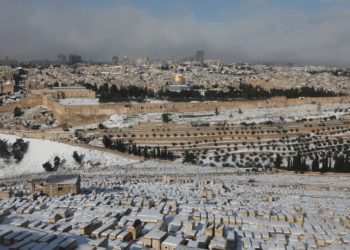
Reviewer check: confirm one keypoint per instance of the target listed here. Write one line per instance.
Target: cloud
(334, 1)
(48, 28)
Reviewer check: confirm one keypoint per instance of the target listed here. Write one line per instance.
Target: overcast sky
(279, 31)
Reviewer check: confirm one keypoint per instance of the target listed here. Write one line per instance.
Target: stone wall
(66, 93)
(84, 114)
(61, 189)
(7, 88)
(58, 109)
(100, 113)
(28, 102)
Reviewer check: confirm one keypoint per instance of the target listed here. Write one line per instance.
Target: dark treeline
(123, 94)
(182, 96)
(338, 164)
(245, 91)
(131, 148)
(303, 92)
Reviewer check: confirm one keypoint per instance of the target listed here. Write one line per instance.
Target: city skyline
(250, 31)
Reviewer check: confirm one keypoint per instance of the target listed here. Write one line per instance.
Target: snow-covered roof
(62, 179)
(173, 241)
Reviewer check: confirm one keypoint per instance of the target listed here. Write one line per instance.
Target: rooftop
(62, 179)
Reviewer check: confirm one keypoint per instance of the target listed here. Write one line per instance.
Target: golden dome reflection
(178, 78)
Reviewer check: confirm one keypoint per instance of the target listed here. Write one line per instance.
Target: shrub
(107, 141)
(17, 111)
(56, 161)
(47, 166)
(166, 117)
(76, 157)
(189, 157)
(65, 126)
(19, 148)
(4, 152)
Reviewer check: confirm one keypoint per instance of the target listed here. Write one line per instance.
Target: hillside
(41, 151)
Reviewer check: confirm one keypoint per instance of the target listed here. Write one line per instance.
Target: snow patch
(41, 151)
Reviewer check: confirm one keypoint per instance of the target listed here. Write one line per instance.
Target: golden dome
(178, 78)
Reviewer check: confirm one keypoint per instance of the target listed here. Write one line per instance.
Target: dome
(179, 79)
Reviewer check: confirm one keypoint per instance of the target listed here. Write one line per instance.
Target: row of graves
(173, 213)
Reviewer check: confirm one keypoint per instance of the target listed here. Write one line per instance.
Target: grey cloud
(65, 27)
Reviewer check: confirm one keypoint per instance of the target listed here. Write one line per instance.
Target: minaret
(146, 60)
(125, 60)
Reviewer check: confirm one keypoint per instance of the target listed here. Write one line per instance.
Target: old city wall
(100, 113)
(83, 114)
(28, 102)
(58, 109)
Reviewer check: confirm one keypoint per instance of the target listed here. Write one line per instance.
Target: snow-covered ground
(261, 115)
(95, 101)
(13, 98)
(78, 101)
(35, 118)
(125, 121)
(250, 115)
(41, 151)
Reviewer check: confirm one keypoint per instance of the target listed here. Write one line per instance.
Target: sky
(273, 31)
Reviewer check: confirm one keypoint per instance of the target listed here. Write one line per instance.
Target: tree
(56, 161)
(47, 166)
(101, 126)
(17, 111)
(145, 152)
(278, 161)
(304, 166)
(347, 164)
(339, 164)
(19, 148)
(315, 166)
(324, 165)
(76, 157)
(4, 151)
(289, 163)
(189, 157)
(297, 162)
(166, 117)
(107, 141)
(65, 126)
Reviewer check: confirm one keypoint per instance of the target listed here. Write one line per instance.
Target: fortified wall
(84, 114)
(98, 113)
(30, 101)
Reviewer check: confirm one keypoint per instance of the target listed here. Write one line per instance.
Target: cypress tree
(315, 164)
(278, 161)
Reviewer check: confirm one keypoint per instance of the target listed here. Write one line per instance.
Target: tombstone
(299, 219)
(189, 226)
(135, 229)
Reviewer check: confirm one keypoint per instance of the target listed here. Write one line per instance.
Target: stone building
(61, 59)
(7, 87)
(69, 92)
(177, 84)
(56, 185)
(5, 194)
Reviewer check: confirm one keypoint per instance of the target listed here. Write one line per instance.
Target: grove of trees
(19, 148)
(143, 151)
(112, 93)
